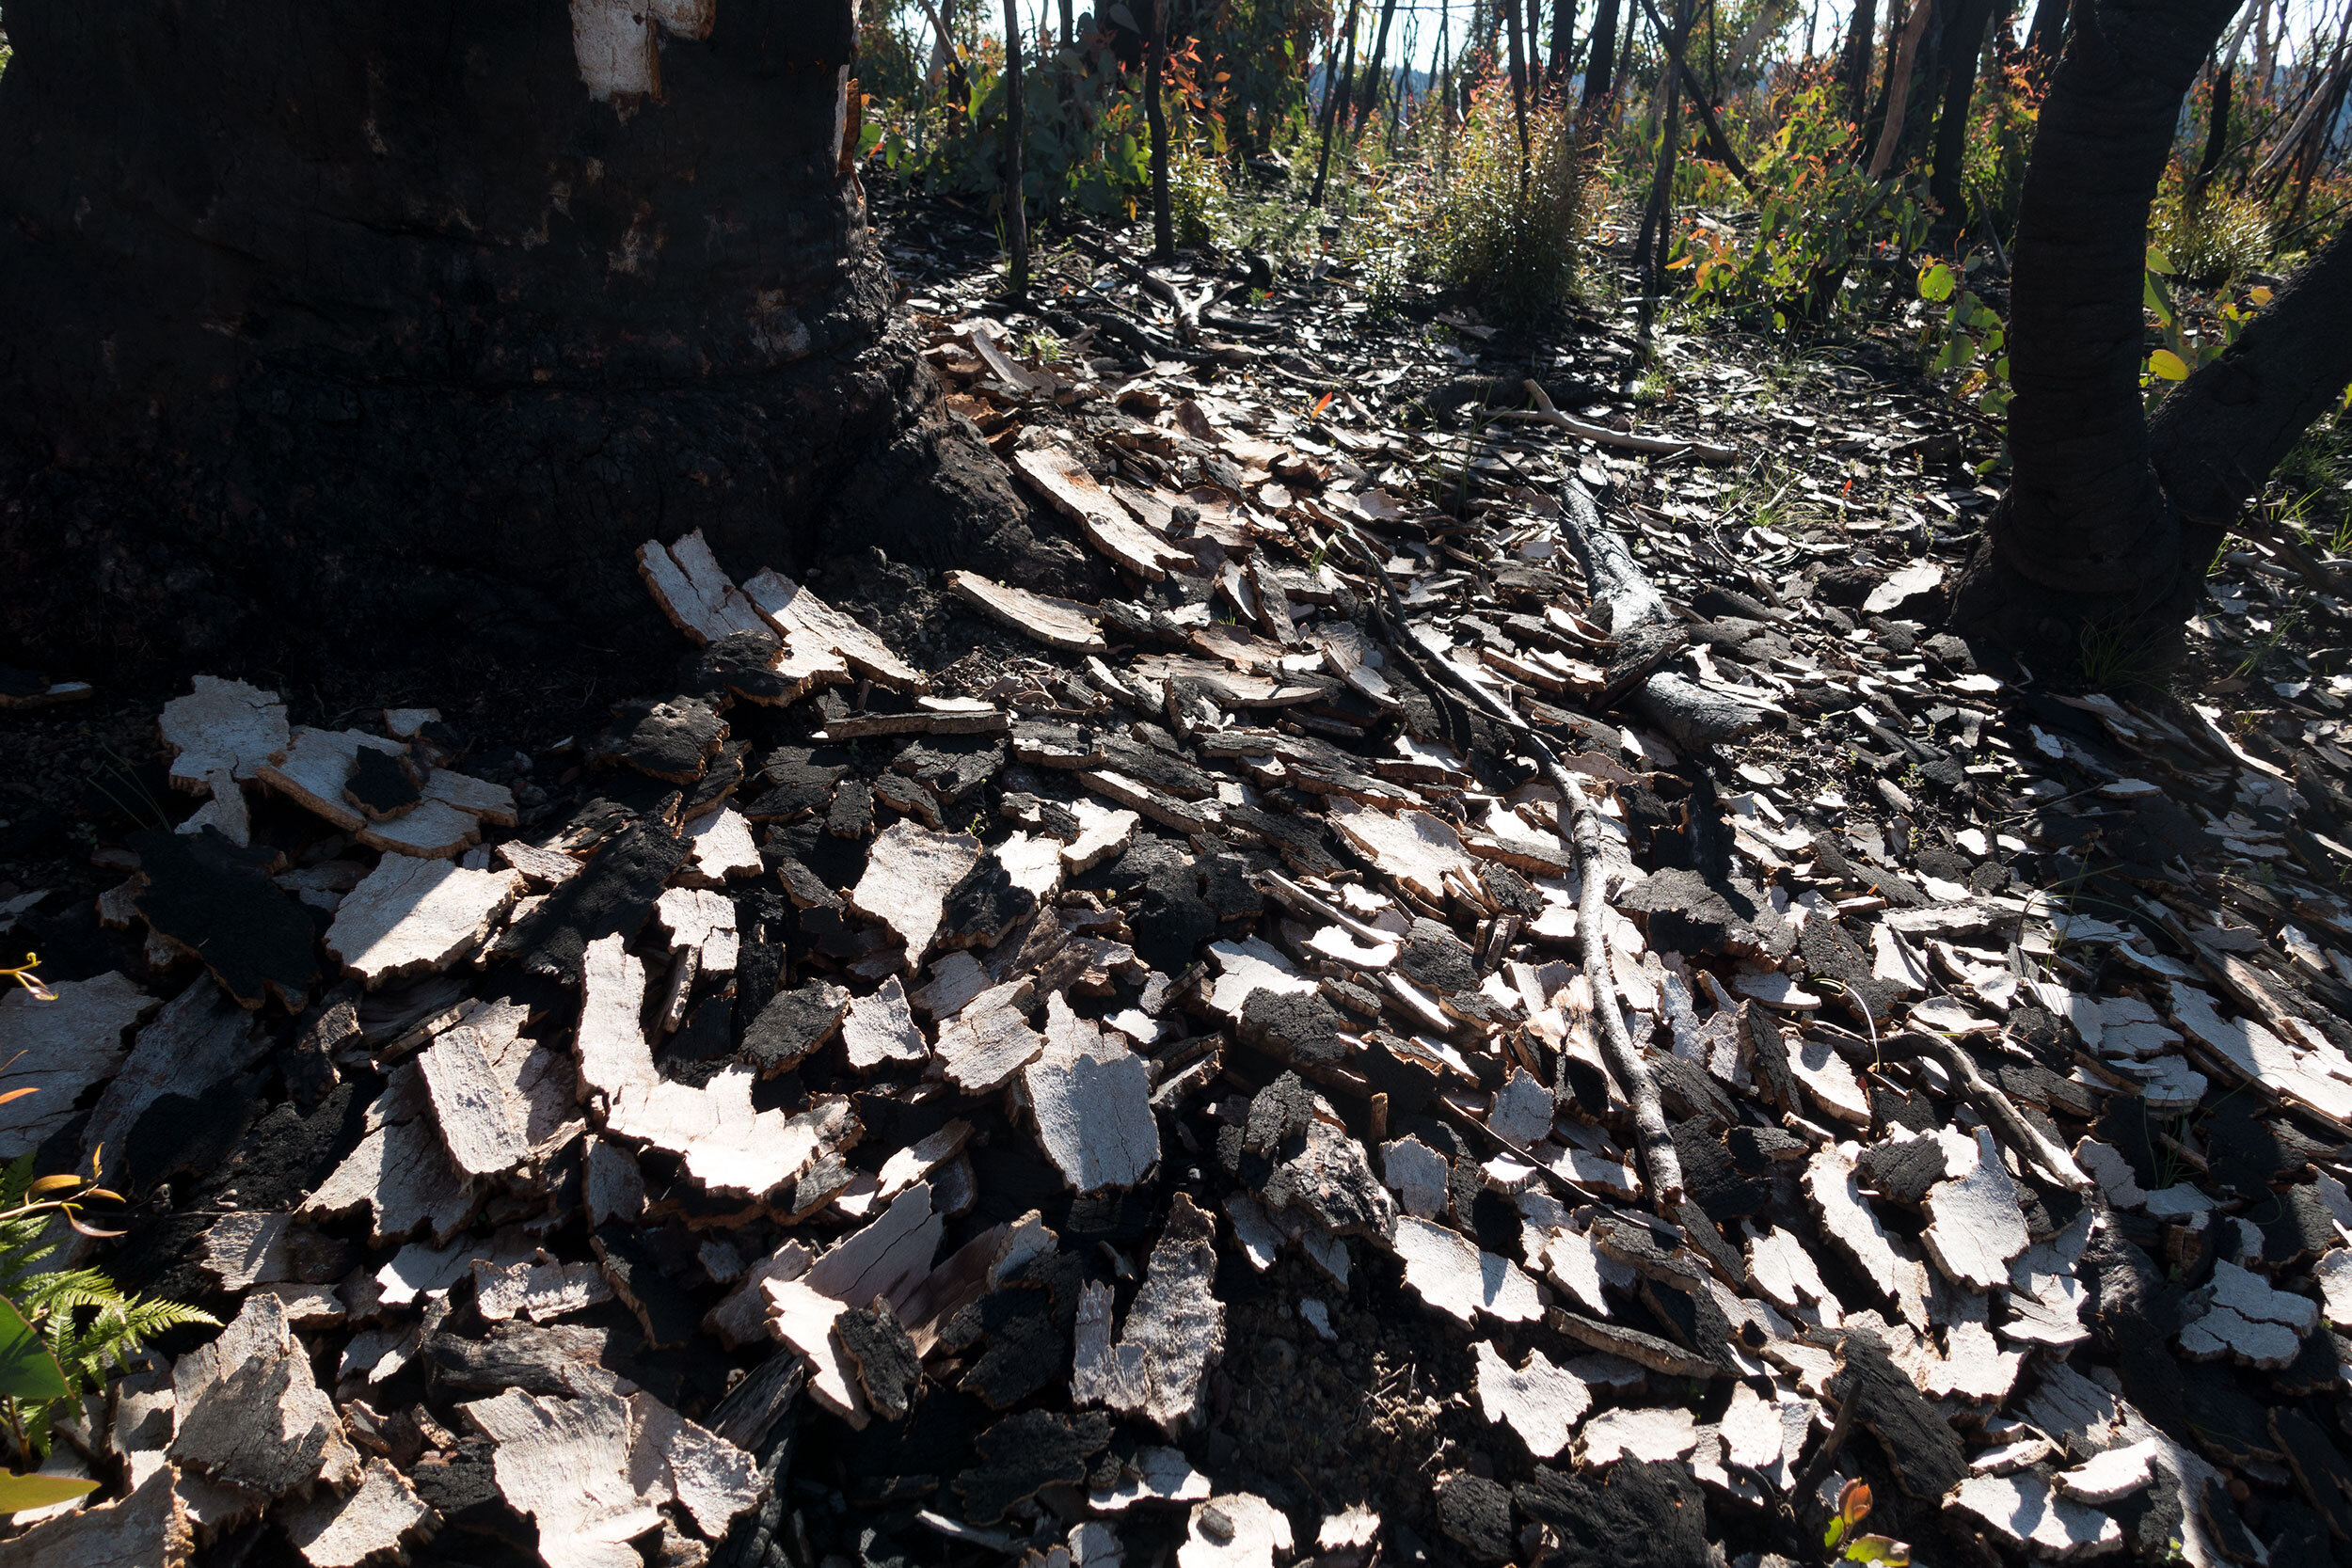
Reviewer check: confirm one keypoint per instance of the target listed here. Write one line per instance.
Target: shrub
(2212, 242)
(1471, 222)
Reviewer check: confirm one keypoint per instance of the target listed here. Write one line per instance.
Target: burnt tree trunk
(1599, 56)
(1963, 49)
(2111, 518)
(360, 331)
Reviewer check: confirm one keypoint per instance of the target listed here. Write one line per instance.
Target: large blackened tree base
(356, 332)
(2112, 517)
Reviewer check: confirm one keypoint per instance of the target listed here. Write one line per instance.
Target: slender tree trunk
(1600, 55)
(1334, 95)
(1375, 75)
(1855, 71)
(1657, 222)
(1068, 25)
(1016, 205)
(1518, 84)
(2216, 136)
(2046, 37)
(2112, 518)
(1895, 107)
(258, 412)
(1962, 47)
(1155, 116)
(1562, 35)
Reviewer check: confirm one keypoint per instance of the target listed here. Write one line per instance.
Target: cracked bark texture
(2112, 517)
(347, 330)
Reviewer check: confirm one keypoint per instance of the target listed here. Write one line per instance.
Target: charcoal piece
(2214, 1506)
(631, 1264)
(1692, 1318)
(795, 781)
(703, 1045)
(1828, 950)
(2317, 1366)
(2243, 1145)
(291, 1151)
(2320, 1469)
(1757, 1150)
(1120, 1219)
(1022, 1454)
(1300, 1028)
(761, 1397)
(1226, 886)
(1632, 1344)
(983, 906)
(2296, 1534)
(1891, 1108)
(1902, 1172)
(181, 1135)
(951, 767)
(1680, 913)
(1346, 994)
(1050, 818)
(673, 740)
(1169, 918)
(522, 1356)
(308, 1060)
(1279, 1117)
(382, 785)
(1302, 841)
(1510, 890)
(1713, 1179)
(1027, 1347)
(1475, 1514)
(906, 798)
(217, 900)
(1434, 958)
(461, 1485)
(793, 1023)
(611, 897)
(1162, 771)
(804, 887)
(2299, 1226)
(742, 662)
(1921, 1448)
(1688, 1089)
(1636, 1515)
(1701, 1230)
(757, 969)
(888, 1366)
(851, 815)
(721, 779)
(1771, 1066)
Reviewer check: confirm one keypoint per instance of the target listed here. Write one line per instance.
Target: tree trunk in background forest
(1155, 116)
(1855, 73)
(1016, 207)
(372, 332)
(1963, 47)
(1599, 57)
(1563, 34)
(2216, 136)
(2046, 37)
(1339, 69)
(2112, 517)
(1379, 53)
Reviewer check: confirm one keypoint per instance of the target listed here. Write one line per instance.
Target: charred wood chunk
(1022, 1454)
(1921, 1448)
(794, 1023)
(1475, 1514)
(382, 785)
(217, 901)
(672, 741)
(888, 1366)
(611, 897)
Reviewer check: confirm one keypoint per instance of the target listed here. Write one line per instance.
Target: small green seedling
(1853, 1506)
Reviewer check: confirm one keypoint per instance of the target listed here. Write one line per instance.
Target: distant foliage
(1818, 217)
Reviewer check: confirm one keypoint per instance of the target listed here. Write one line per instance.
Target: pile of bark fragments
(1396, 1033)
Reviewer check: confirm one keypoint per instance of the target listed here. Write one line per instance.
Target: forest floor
(987, 1074)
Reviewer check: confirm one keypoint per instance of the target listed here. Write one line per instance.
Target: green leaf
(27, 1371)
(2167, 365)
(1935, 284)
(2158, 262)
(1879, 1549)
(18, 1492)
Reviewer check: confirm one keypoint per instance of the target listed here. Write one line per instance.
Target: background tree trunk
(1855, 71)
(1599, 57)
(1373, 77)
(1016, 206)
(1964, 46)
(1155, 116)
(2103, 528)
(346, 333)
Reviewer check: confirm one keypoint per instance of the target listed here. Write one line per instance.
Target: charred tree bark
(1599, 57)
(1374, 78)
(2046, 37)
(1963, 48)
(370, 333)
(2111, 518)
(1334, 95)
(1155, 116)
(2216, 136)
(1854, 71)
